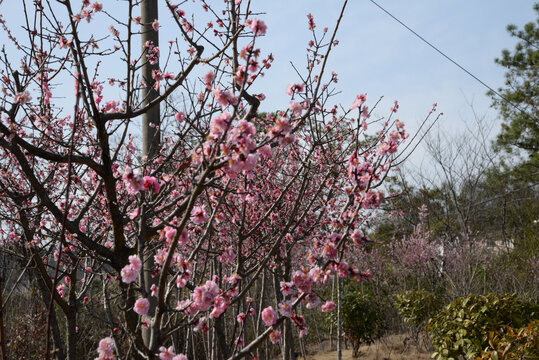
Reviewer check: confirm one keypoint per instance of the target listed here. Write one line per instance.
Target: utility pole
(339, 318)
(152, 118)
(150, 145)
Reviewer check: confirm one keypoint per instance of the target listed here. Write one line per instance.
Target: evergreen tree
(520, 130)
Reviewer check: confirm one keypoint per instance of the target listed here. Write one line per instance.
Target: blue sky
(377, 56)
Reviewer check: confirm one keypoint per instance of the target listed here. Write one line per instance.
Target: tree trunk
(55, 328)
(2, 336)
(287, 345)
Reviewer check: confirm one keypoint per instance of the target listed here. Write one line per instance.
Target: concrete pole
(151, 119)
(150, 144)
(339, 318)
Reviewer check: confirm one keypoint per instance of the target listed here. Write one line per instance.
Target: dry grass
(389, 348)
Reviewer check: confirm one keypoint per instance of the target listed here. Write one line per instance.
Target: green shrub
(462, 328)
(513, 344)
(363, 318)
(416, 307)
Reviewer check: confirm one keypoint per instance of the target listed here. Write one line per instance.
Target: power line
(451, 60)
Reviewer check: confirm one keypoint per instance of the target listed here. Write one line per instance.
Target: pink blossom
(233, 279)
(187, 26)
(135, 262)
(220, 305)
(128, 274)
(183, 305)
(294, 88)
(219, 125)
(201, 325)
(239, 77)
(286, 288)
(296, 108)
(181, 280)
(265, 152)
(155, 25)
(180, 117)
(161, 256)
(133, 214)
(329, 250)
(285, 308)
(208, 79)
(383, 149)
(86, 14)
(168, 76)
(240, 317)
(239, 341)
(268, 316)
(257, 26)
(170, 233)
(142, 306)
(253, 66)
(302, 281)
(224, 98)
(150, 182)
(166, 354)
(63, 43)
(275, 336)
(203, 296)
(328, 306)
(111, 106)
(360, 100)
(395, 107)
(310, 18)
(228, 255)
(365, 113)
(198, 215)
(281, 130)
(357, 236)
(184, 236)
(105, 349)
(22, 98)
(97, 6)
(61, 290)
(180, 357)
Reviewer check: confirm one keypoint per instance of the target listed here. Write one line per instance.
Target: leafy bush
(462, 328)
(416, 307)
(514, 344)
(363, 318)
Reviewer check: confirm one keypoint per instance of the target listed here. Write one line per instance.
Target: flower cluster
(168, 354)
(130, 272)
(257, 26)
(106, 349)
(152, 52)
(135, 183)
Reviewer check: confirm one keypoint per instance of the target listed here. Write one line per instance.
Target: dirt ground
(389, 348)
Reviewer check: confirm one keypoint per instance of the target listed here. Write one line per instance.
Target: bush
(462, 328)
(363, 318)
(514, 344)
(416, 307)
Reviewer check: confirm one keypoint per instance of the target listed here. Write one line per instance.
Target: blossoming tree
(205, 246)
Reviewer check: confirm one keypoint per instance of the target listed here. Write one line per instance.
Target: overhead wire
(451, 60)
